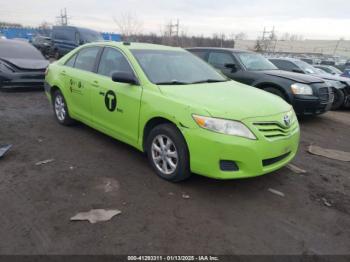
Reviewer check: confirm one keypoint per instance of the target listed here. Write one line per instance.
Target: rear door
(116, 106)
(78, 80)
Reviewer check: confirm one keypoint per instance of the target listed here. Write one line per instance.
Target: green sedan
(166, 102)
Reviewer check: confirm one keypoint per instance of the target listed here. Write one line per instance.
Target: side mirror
(233, 67)
(124, 77)
(297, 70)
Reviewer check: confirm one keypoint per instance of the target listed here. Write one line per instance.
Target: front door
(116, 106)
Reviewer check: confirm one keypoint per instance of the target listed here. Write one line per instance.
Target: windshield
(309, 69)
(335, 70)
(175, 67)
(18, 50)
(89, 36)
(255, 62)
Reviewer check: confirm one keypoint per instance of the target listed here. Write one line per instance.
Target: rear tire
(60, 109)
(167, 153)
(339, 98)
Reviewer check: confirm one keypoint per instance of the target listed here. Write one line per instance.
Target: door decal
(110, 101)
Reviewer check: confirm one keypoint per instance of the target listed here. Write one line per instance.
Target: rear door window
(200, 53)
(220, 59)
(86, 58)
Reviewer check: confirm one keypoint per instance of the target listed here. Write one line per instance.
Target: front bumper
(27, 80)
(252, 157)
(311, 106)
(316, 104)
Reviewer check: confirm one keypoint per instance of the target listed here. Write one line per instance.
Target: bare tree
(128, 24)
(241, 36)
(45, 28)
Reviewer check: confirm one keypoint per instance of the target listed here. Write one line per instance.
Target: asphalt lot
(91, 170)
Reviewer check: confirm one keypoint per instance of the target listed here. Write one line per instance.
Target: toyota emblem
(286, 120)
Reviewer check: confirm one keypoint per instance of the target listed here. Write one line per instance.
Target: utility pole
(267, 38)
(63, 18)
(336, 46)
(174, 28)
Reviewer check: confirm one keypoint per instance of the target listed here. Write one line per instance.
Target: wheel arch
(273, 85)
(153, 122)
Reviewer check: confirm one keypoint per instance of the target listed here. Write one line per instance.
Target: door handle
(95, 83)
(102, 93)
(63, 73)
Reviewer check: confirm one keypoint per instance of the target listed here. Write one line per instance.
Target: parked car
(329, 69)
(328, 62)
(340, 85)
(43, 44)
(307, 60)
(21, 65)
(168, 103)
(307, 94)
(346, 73)
(66, 38)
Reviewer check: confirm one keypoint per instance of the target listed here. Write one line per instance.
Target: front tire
(339, 98)
(167, 153)
(60, 109)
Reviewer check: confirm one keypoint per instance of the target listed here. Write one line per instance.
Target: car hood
(27, 64)
(230, 100)
(333, 77)
(297, 77)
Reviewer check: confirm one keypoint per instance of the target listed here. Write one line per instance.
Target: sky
(313, 19)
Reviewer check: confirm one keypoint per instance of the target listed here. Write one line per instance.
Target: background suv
(67, 38)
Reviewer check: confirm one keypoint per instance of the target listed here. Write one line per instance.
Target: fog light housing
(228, 165)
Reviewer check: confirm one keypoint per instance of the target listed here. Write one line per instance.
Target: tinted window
(113, 61)
(171, 66)
(86, 58)
(19, 50)
(199, 53)
(64, 34)
(219, 59)
(89, 36)
(284, 65)
(71, 61)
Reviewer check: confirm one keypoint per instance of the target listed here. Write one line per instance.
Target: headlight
(227, 127)
(301, 89)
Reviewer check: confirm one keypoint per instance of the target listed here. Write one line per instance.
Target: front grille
(273, 130)
(270, 161)
(325, 95)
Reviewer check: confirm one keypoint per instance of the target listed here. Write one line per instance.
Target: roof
(219, 49)
(285, 58)
(135, 46)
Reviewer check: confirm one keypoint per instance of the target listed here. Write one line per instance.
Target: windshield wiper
(209, 81)
(174, 82)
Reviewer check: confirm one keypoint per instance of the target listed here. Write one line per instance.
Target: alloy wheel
(164, 154)
(60, 108)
